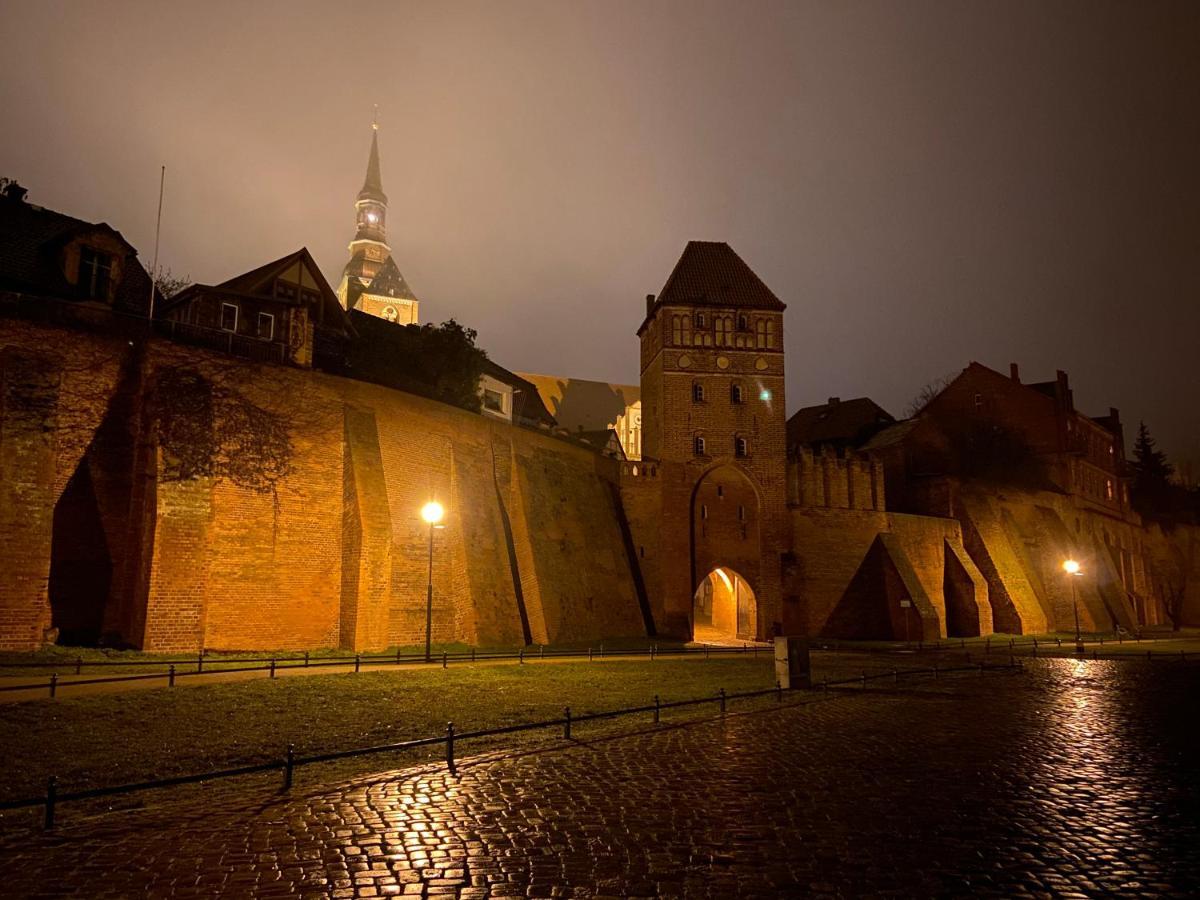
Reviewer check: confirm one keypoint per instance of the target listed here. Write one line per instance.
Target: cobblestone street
(1072, 777)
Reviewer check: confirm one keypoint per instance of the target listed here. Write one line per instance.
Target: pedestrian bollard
(357, 661)
(602, 651)
(272, 668)
(51, 797)
(289, 763)
(53, 684)
(778, 691)
(541, 651)
(651, 653)
(450, 748)
(657, 709)
(521, 657)
(722, 693)
(567, 723)
(445, 659)
(1059, 641)
(171, 676)
(78, 664)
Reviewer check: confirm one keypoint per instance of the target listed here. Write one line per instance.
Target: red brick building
(714, 436)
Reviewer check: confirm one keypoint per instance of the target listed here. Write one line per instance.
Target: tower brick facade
(714, 429)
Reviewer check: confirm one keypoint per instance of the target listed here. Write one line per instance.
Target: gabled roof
(30, 238)
(710, 273)
(259, 282)
(388, 282)
(840, 422)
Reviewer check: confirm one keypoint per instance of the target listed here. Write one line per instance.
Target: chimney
(649, 303)
(834, 401)
(1014, 373)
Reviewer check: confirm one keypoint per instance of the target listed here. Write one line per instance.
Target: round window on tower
(389, 313)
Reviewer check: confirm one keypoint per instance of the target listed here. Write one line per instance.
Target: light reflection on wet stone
(1073, 777)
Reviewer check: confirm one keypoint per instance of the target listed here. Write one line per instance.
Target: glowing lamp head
(1071, 567)
(432, 512)
(372, 217)
(765, 395)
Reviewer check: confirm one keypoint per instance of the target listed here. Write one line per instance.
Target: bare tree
(169, 284)
(926, 394)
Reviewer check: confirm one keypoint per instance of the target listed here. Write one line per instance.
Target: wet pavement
(1071, 778)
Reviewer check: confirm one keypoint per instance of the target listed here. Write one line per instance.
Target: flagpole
(162, 178)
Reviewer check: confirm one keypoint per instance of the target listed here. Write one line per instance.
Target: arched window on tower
(697, 392)
(723, 324)
(735, 392)
(743, 323)
(676, 330)
(741, 447)
(760, 333)
(698, 445)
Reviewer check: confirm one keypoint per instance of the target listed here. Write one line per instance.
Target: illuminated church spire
(371, 281)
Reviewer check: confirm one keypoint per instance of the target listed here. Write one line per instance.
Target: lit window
(735, 393)
(770, 334)
(677, 329)
(740, 447)
(266, 326)
(389, 313)
(698, 445)
(229, 317)
(95, 273)
(760, 333)
(698, 392)
(494, 400)
(1108, 488)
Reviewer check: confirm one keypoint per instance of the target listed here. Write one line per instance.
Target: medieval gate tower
(713, 421)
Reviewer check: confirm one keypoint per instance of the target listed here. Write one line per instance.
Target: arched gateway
(726, 555)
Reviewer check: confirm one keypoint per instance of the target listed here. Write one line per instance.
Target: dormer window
(95, 273)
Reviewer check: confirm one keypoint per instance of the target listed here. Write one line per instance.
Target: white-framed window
(229, 317)
(266, 326)
(741, 447)
(494, 400)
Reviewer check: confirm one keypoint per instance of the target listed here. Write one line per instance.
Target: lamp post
(432, 513)
(1071, 567)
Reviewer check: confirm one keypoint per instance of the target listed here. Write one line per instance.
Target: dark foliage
(1155, 494)
(436, 361)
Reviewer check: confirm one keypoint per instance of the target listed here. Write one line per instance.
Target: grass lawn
(110, 739)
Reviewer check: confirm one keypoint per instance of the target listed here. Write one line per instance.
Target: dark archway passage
(80, 565)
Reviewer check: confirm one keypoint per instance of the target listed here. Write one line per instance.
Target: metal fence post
(445, 659)
(171, 676)
(199, 662)
(657, 709)
(722, 693)
(306, 659)
(589, 654)
(272, 667)
(472, 654)
(288, 765)
(53, 683)
(541, 651)
(78, 664)
(450, 747)
(397, 656)
(602, 651)
(51, 797)
(357, 661)
(567, 723)
(706, 651)
(651, 653)
(521, 657)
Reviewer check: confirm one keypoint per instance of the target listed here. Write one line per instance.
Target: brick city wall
(332, 554)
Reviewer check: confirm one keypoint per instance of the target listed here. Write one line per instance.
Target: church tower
(371, 281)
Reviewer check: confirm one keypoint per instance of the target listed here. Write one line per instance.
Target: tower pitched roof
(372, 188)
(388, 282)
(710, 273)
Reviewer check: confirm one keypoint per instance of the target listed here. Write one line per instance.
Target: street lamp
(432, 513)
(1071, 567)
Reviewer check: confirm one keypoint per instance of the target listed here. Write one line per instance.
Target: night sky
(924, 184)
